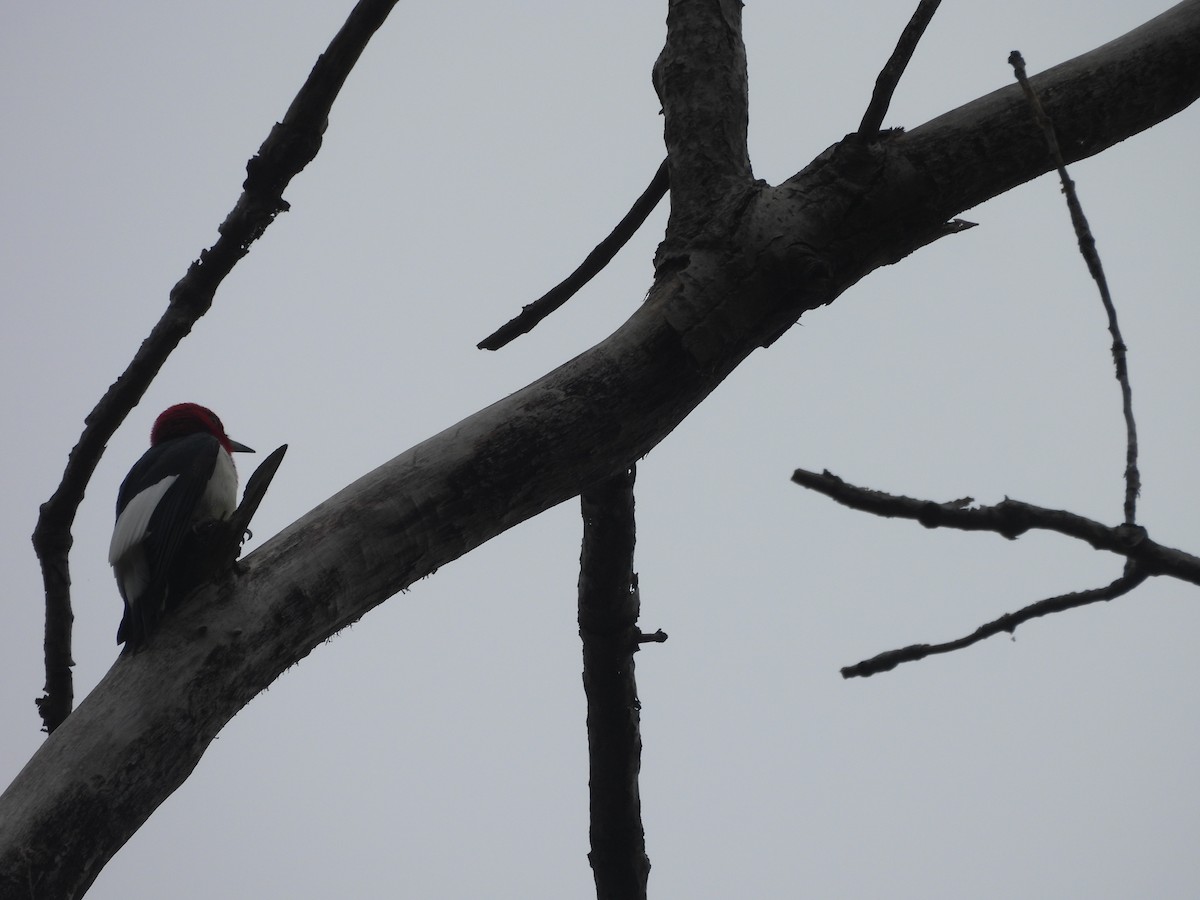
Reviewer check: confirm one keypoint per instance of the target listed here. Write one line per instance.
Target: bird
(183, 484)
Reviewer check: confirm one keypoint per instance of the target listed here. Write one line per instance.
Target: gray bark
(742, 261)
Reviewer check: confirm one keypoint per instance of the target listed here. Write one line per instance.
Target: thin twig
(609, 604)
(887, 661)
(1011, 519)
(1087, 247)
(592, 265)
(893, 69)
(290, 146)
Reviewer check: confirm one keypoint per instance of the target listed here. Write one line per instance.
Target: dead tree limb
(1010, 519)
(893, 69)
(1091, 256)
(592, 265)
(1007, 623)
(742, 261)
(609, 604)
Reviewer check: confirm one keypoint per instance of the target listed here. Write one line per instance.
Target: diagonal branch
(73, 805)
(1011, 519)
(893, 69)
(1087, 247)
(609, 604)
(290, 146)
(885, 662)
(592, 265)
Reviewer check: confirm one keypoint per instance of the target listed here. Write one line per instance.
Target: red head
(183, 419)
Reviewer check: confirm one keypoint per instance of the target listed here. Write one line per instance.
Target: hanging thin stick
(1087, 247)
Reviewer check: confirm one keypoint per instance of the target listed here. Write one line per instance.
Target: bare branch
(791, 248)
(1087, 247)
(700, 77)
(887, 661)
(609, 604)
(1011, 519)
(289, 147)
(592, 265)
(893, 69)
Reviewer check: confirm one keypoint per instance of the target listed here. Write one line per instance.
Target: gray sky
(437, 749)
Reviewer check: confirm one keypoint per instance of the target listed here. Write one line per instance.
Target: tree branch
(289, 147)
(700, 77)
(1011, 519)
(790, 249)
(893, 69)
(888, 660)
(609, 604)
(925, 168)
(592, 265)
(1087, 247)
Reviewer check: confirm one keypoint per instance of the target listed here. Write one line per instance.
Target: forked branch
(1009, 518)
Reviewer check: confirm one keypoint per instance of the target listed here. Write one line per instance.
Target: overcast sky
(437, 749)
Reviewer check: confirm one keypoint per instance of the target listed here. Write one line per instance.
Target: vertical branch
(608, 612)
(701, 81)
(1087, 247)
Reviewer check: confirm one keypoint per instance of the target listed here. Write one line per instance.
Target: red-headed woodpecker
(185, 480)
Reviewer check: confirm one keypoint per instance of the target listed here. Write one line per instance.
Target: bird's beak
(239, 448)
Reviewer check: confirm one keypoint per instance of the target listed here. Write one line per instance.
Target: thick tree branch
(1007, 623)
(592, 266)
(609, 604)
(1010, 519)
(893, 69)
(289, 147)
(791, 249)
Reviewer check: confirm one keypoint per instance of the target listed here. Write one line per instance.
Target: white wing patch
(133, 575)
(134, 519)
